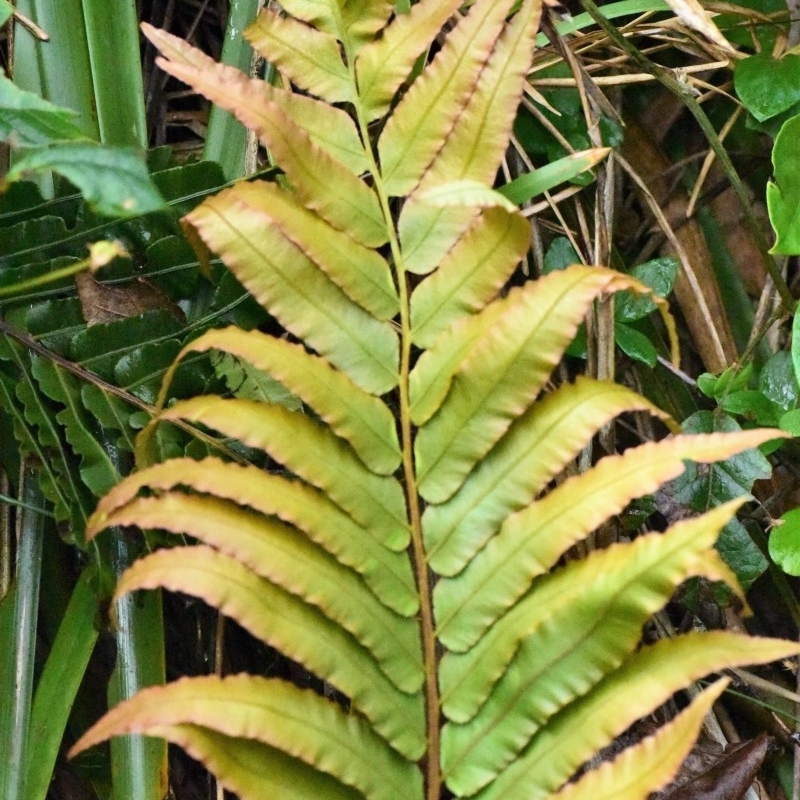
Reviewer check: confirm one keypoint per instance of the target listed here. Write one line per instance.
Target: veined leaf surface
(362, 419)
(536, 447)
(286, 622)
(275, 713)
(237, 224)
(311, 452)
(532, 540)
(328, 127)
(386, 572)
(275, 551)
(412, 137)
(309, 57)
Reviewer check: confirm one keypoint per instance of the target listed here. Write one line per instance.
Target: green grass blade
(58, 70)
(112, 37)
(226, 137)
(62, 675)
(19, 625)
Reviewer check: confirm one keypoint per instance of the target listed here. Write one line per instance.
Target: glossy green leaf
(659, 274)
(531, 541)
(26, 119)
(297, 629)
(311, 452)
(386, 572)
(783, 195)
(237, 225)
(363, 420)
(277, 552)
(635, 344)
(412, 137)
(537, 446)
(300, 723)
(703, 488)
(309, 57)
(114, 181)
(784, 542)
(767, 86)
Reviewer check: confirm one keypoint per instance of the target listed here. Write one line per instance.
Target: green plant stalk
(45, 279)
(118, 92)
(663, 76)
(18, 669)
(138, 764)
(419, 559)
(58, 686)
(226, 138)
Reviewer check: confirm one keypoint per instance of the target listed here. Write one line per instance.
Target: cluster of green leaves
(631, 311)
(768, 88)
(407, 551)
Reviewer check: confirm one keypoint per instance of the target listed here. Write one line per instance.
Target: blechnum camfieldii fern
(408, 551)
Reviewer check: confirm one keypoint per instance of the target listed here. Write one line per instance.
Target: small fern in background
(409, 553)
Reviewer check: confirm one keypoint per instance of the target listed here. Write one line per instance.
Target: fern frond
(309, 57)
(413, 135)
(361, 419)
(294, 627)
(299, 722)
(532, 540)
(310, 451)
(385, 571)
(237, 224)
(408, 553)
(274, 551)
(646, 767)
(537, 446)
(643, 682)
(384, 64)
